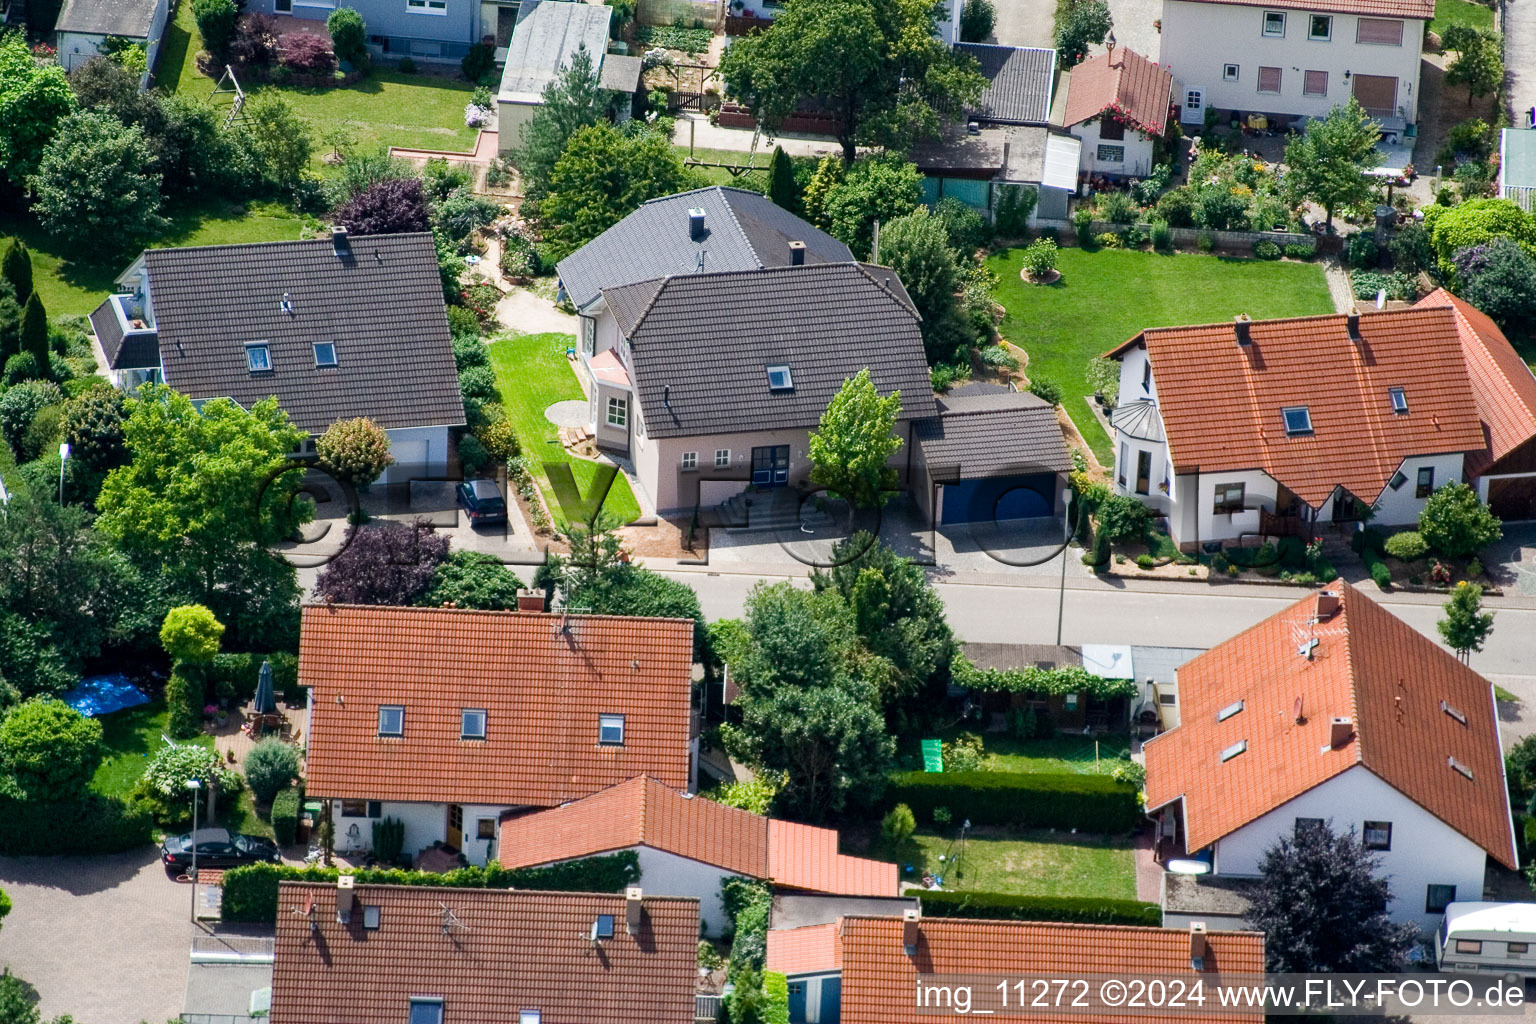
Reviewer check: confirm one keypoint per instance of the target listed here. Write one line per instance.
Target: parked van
(1492, 938)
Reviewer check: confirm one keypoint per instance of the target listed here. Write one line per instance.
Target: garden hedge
(91, 823)
(776, 987)
(1092, 803)
(236, 675)
(1013, 907)
(285, 816)
(250, 893)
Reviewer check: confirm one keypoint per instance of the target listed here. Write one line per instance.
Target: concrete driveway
(1027, 23)
(1520, 56)
(104, 939)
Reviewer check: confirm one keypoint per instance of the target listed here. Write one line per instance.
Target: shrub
(1049, 390)
(1471, 139)
(1013, 907)
(49, 749)
(1162, 236)
(1134, 237)
(463, 323)
(1380, 574)
(285, 816)
(977, 19)
(270, 766)
(1082, 222)
(190, 634)
(216, 23)
(1265, 249)
(20, 404)
(472, 456)
(964, 753)
(1015, 204)
(1205, 242)
(1300, 250)
(998, 356)
(945, 375)
(898, 825)
(389, 206)
(1410, 248)
(1097, 555)
(1121, 518)
(459, 215)
(21, 366)
(163, 787)
(478, 62)
(184, 704)
(1367, 283)
(1360, 250)
(234, 676)
(1499, 278)
(500, 439)
(1040, 257)
(755, 795)
(1092, 803)
(349, 36)
(356, 451)
(91, 823)
(304, 52)
(1116, 207)
(1407, 546)
(1474, 568)
(1177, 207)
(1456, 524)
(967, 229)
(388, 840)
(478, 383)
(1108, 240)
(1145, 562)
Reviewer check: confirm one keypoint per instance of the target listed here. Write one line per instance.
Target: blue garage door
(1008, 497)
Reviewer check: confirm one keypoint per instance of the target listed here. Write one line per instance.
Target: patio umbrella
(265, 703)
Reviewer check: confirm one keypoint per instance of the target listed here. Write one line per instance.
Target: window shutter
(1381, 31)
(1269, 79)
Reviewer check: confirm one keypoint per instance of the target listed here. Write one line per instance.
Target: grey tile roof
(984, 435)
(710, 338)
(1019, 83)
(744, 231)
(136, 350)
(131, 19)
(545, 39)
(382, 306)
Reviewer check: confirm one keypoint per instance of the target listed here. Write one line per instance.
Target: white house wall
(424, 824)
(1198, 39)
(1259, 491)
(1137, 156)
(1425, 851)
(1400, 507)
(667, 874)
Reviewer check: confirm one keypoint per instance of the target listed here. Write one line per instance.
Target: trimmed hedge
(1006, 906)
(285, 816)
(236, 675)
(250, 893)
(91, 823)
(1092, 803)
(776, 987)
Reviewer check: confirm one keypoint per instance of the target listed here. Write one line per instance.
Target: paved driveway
(1520, 56)
(1027, 22)
(102, 938)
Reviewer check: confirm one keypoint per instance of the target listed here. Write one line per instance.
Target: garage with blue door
(991, 455)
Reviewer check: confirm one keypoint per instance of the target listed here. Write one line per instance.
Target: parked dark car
(217, 848)
(482, 501)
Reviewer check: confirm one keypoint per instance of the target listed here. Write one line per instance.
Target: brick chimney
(530, 601)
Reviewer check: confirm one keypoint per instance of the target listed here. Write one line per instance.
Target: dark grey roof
(1005, 657)
(545, 37)
(960, 153)
(1019, 83)
(131, 19)
(122, 348)
(744, 231)
(382, 306)
(985, 435)
(621, 73)
(710, 338)
(1139, 419)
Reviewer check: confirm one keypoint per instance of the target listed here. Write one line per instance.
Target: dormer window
(1298, 420)
(325, 353)
(1399, 399)
(780, 379)
(258, 359)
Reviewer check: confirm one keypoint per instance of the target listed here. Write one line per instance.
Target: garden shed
(547, 36)
(85, 25)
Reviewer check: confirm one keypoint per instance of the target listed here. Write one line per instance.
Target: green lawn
(1060, 753)
(532, 374)
(1460, 12)
(1030, 862)
(736, 158)
(387, 108)
(1105, 297)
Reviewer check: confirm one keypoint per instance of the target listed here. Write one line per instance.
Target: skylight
(780, 379)
(1234, 750)
(1298, 420)
(1228, 711)
(257, 358)
(1454, 712)
(602, 928)
(1458, 766)
(1399, 399)
(325, 353)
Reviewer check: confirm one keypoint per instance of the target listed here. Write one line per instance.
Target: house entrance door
(770, 465)
(455, 836)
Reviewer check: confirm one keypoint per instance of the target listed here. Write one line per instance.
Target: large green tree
(1479, 64)
(570, 102)
(1080, 25)
(874, 189)
(472, 579)
(602, 177)
(279, 137)
(876, 66)
(1475, 222)
(1328, 163)
(205, 494)
(94, 185)
(1456, 523)
(917, 246)
(852, 445)
(49, 751)
(33, 100)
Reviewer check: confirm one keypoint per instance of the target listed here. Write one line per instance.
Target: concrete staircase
(780, 510)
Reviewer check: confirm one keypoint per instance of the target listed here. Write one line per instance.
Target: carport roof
(989, 435)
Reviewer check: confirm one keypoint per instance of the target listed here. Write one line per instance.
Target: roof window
(371, 916)
(780, 379)
(1399, 399)
(391, 720)
(1453, 711)
(1228, 711)
(325, 353)
(1459, 767)
(610, 730)
(1298, 420)
(602, 927)
(258, 358)
(426, 1010)
(1235, 749)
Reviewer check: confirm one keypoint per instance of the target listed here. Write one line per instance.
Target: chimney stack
(531, 600)
(633, 906)
(1240, 326)
(797, 254)
(909, 918)
(1353, 320)
(1328, 604)
(344, 897)
(696, 224)
(1197, 945)
(1340, 731)
(340, 243)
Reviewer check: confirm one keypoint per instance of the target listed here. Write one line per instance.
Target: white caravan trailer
(1492, 938)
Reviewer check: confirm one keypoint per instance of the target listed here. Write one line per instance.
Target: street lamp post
(1061, 599)
(196, 787)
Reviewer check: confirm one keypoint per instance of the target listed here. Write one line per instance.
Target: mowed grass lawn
(735, 158)
(417, 111)
(1029, 862)
(532, 373)
(1460, 12)
(1107, 296)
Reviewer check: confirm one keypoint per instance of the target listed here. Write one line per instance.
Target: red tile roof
(808, 950)
(542, 680)
(1501, 382)
(1422, 9)
(487, 953)
(1221, 402)
(879, 978)
(1124, 81)
(1369, 666)
(643, 812)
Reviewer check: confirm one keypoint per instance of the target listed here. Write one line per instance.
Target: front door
(1194, 107)
(1377, 94)
(1143, 472)
(455, 837)
(770, 465)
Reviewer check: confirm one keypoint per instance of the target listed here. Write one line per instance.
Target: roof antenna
(666, 395)
(700, 267)
(451, 920)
